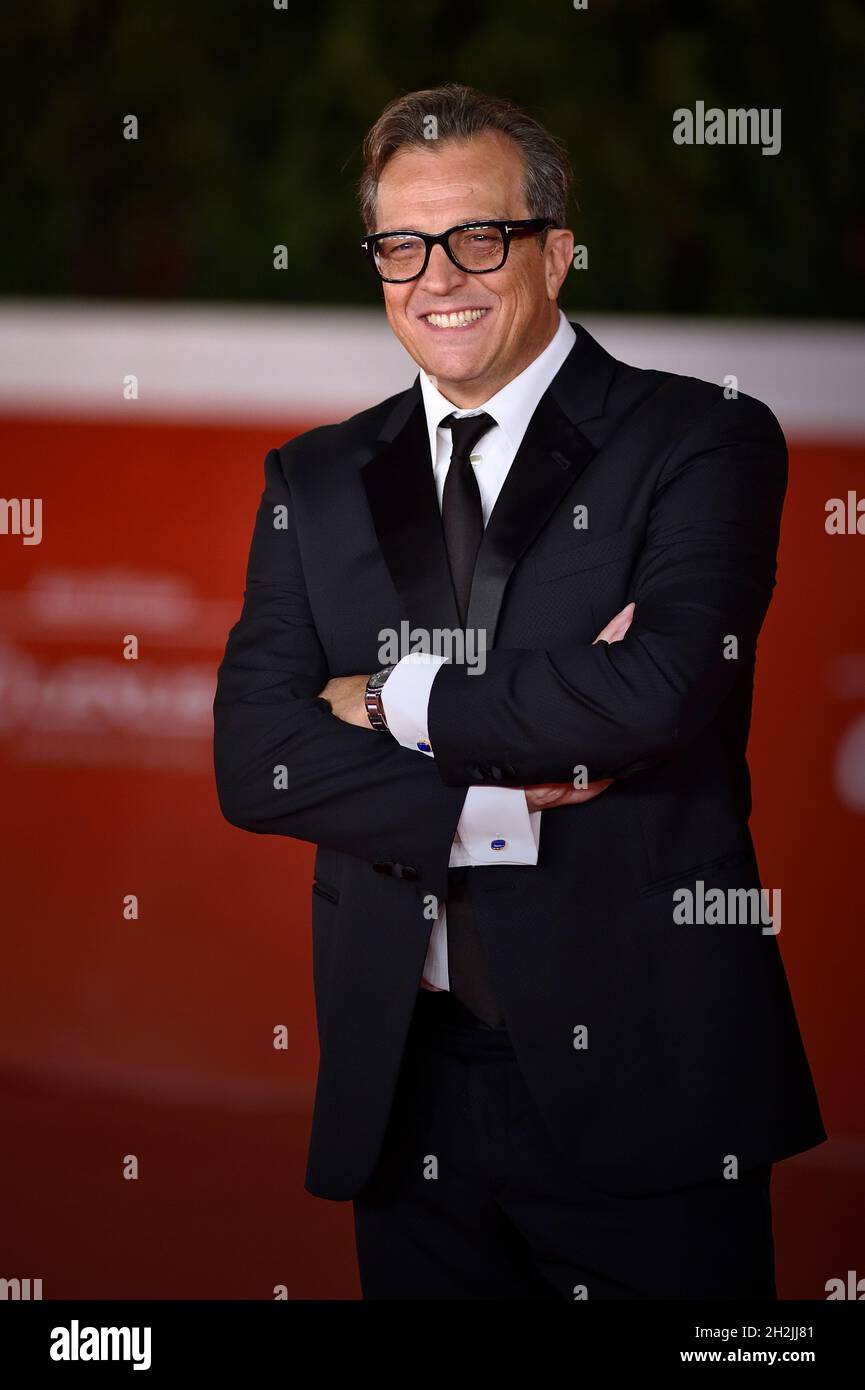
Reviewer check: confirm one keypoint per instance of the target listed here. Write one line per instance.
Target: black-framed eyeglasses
(477, 247)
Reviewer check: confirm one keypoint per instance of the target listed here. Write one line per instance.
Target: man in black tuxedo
(548, 1069)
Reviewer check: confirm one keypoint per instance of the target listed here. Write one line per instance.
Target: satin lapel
(550, 459)
(401, 491)
(548, 462)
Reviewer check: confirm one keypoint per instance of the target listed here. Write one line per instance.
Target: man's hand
(545, 796)
(345, 695)
(616, 627)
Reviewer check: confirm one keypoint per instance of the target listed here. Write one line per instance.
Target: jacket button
(476, 771)
(383, 868)
(407, 871)
(496, 773)
(509, 770)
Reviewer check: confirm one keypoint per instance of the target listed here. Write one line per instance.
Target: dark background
(251, 121)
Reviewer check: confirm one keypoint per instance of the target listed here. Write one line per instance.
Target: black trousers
(471, 1199)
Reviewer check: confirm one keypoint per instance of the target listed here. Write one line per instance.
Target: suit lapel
(401, 491)
(400, 488)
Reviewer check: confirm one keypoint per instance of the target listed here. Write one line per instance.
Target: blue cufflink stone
(424, 747)
(498, 844)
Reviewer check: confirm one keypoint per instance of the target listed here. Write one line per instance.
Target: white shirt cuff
(405, 697)
(496, 827)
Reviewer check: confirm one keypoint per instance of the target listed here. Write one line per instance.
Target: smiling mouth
(462, 318)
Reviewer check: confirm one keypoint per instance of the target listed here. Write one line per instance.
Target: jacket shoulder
(688, 399)
(722, 410)
(328, 444)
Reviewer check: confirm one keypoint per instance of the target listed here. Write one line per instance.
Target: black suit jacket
(692, 1051)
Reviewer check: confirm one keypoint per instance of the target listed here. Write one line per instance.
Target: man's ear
(558, 259)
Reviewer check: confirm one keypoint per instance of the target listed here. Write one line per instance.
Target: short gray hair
(455, 112)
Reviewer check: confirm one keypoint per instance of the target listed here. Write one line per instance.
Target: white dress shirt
(490, 815)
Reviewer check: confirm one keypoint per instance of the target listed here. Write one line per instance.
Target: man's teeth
(455, 320)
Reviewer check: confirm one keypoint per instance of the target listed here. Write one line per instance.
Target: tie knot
(466, 431)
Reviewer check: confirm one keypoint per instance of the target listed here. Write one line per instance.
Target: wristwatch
(373, 701)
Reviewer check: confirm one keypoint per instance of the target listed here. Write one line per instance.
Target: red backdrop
(154, 1036)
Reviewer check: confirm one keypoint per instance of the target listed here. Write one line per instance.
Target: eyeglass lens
(474, 249)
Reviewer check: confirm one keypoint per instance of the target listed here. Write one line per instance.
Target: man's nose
(441, 274)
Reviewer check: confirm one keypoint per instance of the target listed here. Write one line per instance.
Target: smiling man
(473, 333)
(535, 1082)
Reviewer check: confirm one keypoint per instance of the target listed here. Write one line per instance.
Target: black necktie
(462, 514)
(463, 522)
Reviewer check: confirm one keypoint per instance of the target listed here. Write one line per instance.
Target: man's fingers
(617, 626)
(546, 796)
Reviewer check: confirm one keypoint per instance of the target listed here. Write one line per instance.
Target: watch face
(377, 681)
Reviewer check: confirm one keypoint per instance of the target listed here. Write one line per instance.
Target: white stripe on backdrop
(243, 363)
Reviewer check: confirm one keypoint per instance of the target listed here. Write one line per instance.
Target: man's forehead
(446, 189)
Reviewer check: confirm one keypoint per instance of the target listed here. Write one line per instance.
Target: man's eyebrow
(483, 217)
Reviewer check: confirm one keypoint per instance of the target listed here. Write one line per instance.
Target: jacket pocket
(724, 861)
(324, 890)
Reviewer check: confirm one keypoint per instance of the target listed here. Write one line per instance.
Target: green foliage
(251, 120)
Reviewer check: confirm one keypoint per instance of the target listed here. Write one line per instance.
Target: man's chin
(455, 368)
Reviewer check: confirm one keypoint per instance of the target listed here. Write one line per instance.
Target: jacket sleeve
(348, 789)
(704, 577)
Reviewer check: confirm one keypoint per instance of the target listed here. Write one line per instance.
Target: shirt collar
(514, 405)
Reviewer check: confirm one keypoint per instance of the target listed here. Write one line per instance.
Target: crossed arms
(706, 573)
